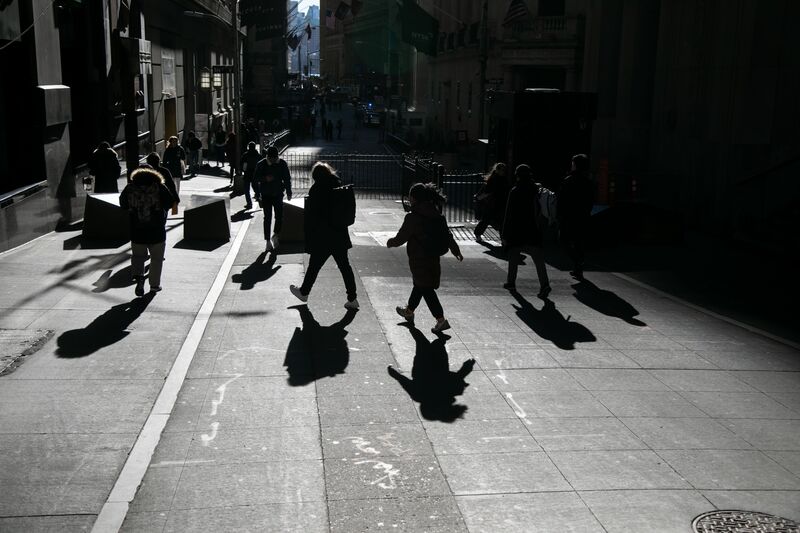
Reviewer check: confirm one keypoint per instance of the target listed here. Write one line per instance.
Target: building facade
(126, 72)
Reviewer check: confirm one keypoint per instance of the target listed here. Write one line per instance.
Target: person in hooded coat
(104, 166)
(147, 199)
(426, 270)
(323, 238)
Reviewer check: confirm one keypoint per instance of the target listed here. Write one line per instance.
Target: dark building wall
(694, 101)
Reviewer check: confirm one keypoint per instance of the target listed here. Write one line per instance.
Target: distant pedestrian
(230, 153)
(339, 128)
(272, 175)
(490, 201)
(249, 161)
(147, 199)
(330, 130)
(574, 208)
(174, 186)
(195, 147)
(219, 145)
(104, 166)
(425, 230)
(174, 158)
(521, 233)
(324, 236)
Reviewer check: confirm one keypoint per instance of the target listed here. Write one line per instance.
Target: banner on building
(262, 13)
(420, 29)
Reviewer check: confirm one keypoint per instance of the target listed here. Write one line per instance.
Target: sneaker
(155, 289)
(275, 241)
(269, 245)
(139, 290)
(544, 291)
(406, 313)
(351, 304)
(479, 237)
(440, 326)
(510, 286)
(300, 296)
(248, 205)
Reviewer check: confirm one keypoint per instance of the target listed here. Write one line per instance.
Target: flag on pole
(355, 6)
(342, 11)
(517, 10)
(308, 31)
(330, 20)
(293, 41)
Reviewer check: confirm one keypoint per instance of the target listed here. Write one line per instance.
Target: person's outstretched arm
(403, 234)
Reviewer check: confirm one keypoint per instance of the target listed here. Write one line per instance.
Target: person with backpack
(249, 161)
(521, 233)
(491, 200)
(155, 163)
(174, 158)
(147, 199)
(272, 175)
(428, 237)
(575, 201)
(326, 232)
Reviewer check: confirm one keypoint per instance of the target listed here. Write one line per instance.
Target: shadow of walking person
(105, 330)
(606, 302)
(256, 272)
(550, 324)
(317, 351)
(432, 384)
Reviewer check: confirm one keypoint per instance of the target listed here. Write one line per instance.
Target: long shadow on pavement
(606, 302)
(432, 384)
(105, 330)
(317, 351)
(256, 272)
(550, 324)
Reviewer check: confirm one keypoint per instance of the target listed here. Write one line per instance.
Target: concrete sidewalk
(606, 408)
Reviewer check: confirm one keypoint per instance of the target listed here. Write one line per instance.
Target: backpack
(547, 205)
(436, 241)
(343, 206)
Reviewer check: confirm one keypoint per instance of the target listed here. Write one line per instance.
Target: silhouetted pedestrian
(272, 175)
(219, 145)
(339, 128)
(174, 158)
(575, 201)
(324, 237)
(104, 166)
(195, 147)
(230, 153)
(491, 200)
(147, 199)
(425, 230)
(521, 233)
(250, 160)
(174, 186)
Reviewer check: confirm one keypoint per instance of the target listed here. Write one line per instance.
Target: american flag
(517, 10)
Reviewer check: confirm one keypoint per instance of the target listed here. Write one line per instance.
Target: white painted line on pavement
(113, 513)
(696, 307)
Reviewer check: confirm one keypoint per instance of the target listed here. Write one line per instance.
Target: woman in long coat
(323, 237)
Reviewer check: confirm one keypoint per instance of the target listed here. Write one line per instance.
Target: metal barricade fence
(372, 175)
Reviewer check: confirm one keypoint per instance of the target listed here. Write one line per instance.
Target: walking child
(428, 237)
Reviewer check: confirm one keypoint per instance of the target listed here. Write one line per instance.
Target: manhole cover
(743, 522)
(17, 343)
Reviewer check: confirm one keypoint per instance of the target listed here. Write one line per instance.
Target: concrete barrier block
(293, 229)
(205, 218)
(104, 219)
